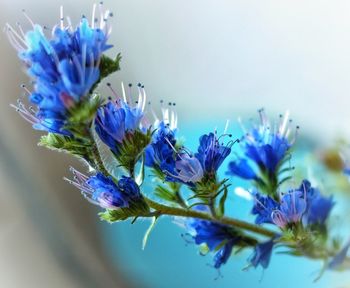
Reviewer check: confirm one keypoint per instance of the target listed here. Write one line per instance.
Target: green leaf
(81, 116)
(148, 232)
(130, 151)
(165, 194)
(221, 208)
(107, 67)
(77, 147)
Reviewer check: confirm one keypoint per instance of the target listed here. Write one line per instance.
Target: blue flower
(116, 119)
(213, 235)
(265, 146)
(318, 206)
(63, 68)
(211, 153)
(105, 192)
(263, 208)
(304, 204)
(160, 153)
(262, 254)
(188, 169)
(110, 125)
(292, 206)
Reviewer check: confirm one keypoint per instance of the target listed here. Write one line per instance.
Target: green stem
(166, 210)
(98, 163)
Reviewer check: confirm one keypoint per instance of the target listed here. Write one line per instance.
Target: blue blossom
(213, 235)
(242, 169)
(211, 153)
(292, 207)
(263, 208)
(304, 204)
(105, 192)
(117, 119)
(188, 169)
(160, 153)
(63, 67)
(266, 145)
(179, 166)
(318, 206)
(262, 254)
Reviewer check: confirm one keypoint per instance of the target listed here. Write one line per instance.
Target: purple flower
(188, 169)
(263, 208)
(292, 206)
(105, 192)
(304, 204)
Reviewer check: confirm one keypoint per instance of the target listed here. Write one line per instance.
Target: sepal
(107, 67)
(82, 115)
(131, 149)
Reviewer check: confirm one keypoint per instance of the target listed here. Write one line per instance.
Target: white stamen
(93, 16)
(226, 126)
(28, 18)
(284, 123)
(123, 92)
(61, 18)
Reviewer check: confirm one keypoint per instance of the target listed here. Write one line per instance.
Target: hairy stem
(166, 210)
(98, 163)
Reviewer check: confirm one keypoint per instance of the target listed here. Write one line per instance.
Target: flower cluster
(266, 146)
(63, 68)
(305, 205)
(118, 120)
(67, 67)
(222, 239)
(103, 191)
(180, 164)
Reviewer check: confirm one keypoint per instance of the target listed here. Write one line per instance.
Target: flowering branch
(173, 211)
(66, 69)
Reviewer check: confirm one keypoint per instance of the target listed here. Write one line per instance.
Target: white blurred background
(215, 59)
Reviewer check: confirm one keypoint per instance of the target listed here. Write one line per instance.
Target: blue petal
(263, 208)
(242, 169)
(262, 254)
(339, 258)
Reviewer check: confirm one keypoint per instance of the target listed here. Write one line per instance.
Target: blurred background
(217, 60)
